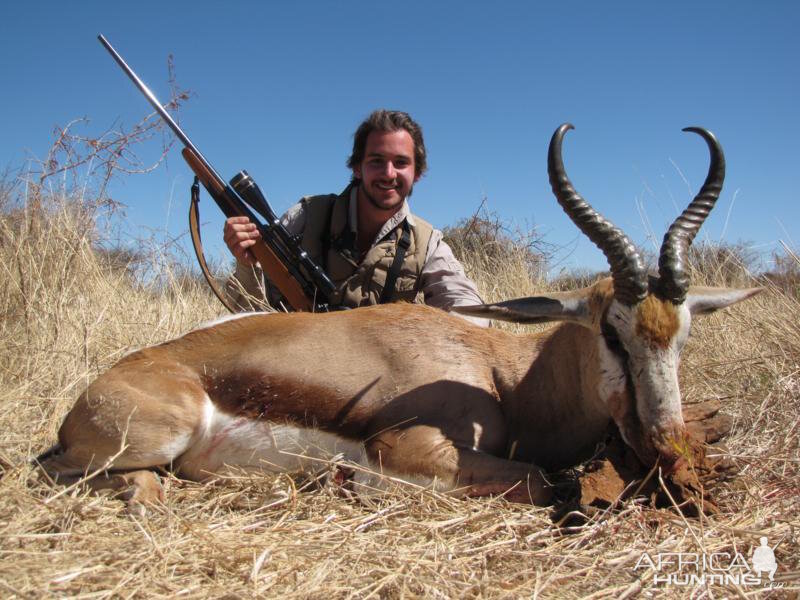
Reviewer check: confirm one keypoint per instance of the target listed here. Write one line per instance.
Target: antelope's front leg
(423, 450)
(138, 489)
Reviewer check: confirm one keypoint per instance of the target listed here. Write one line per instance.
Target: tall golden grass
(67, 312)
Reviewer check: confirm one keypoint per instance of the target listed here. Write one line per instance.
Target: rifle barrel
(285, 251)
(151, 98)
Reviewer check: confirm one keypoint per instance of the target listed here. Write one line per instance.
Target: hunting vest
(330, 242)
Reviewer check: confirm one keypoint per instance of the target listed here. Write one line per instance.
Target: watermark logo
(721, 568)
(764, 560)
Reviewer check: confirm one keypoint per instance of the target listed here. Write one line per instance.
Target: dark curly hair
(389, 120)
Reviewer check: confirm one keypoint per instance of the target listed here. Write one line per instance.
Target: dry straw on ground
(68, 312)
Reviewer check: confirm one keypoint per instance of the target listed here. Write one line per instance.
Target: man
(366, 238)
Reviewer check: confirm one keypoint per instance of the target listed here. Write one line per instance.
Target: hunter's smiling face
(387, 172)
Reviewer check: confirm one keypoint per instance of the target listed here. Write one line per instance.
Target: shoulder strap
(326, 236)
(391, 278)
(343, 240)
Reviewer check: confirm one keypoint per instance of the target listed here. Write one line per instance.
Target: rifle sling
(194, 230)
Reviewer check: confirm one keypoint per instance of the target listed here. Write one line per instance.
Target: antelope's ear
(566, 306)
(705, 300)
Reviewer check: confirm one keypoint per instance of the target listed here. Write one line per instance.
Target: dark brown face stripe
(657, 321)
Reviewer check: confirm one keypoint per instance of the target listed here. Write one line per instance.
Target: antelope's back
(339, 367)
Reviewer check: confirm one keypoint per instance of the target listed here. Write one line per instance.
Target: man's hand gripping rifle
(302, 282)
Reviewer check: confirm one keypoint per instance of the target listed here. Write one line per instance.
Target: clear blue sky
(280, 88)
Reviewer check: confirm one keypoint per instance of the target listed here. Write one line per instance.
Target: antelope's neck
(550, 396)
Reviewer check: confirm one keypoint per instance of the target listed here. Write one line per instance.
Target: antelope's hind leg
(127, 429)
(423, 450)
(136, 488)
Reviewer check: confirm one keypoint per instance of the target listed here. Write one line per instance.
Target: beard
(375, 203)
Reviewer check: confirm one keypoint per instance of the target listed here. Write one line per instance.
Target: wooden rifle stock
(288, 266)
(272, 266)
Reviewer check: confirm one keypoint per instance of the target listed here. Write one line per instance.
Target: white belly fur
(224, 440)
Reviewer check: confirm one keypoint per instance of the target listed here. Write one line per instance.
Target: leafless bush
(501, 258)
(785, 272)
(576, 279)
(722, 264)
(81, 163)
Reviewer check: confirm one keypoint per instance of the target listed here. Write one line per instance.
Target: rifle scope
(247, 188)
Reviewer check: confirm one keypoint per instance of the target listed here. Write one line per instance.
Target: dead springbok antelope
(422, 393)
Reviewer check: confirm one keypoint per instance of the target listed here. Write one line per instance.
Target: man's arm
(239, 234)
(444, 283)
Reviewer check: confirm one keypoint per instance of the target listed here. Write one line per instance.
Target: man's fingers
(234, 232)
(235, 236)
(239, 235)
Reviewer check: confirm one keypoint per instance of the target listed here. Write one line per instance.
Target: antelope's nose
(671, 445)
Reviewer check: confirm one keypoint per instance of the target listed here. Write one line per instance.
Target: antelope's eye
(612, 340)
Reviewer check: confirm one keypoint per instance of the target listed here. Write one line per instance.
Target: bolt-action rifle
(303, 283)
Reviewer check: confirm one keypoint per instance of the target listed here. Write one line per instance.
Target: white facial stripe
(612, 378)
(653, 371)
(684, 325)
(655, 379)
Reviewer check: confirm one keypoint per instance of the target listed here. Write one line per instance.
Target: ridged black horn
(673, 267)
(627, 268)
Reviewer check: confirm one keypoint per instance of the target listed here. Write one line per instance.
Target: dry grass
(67, 315)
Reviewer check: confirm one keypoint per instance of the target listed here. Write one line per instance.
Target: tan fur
(426, 394)
(657, 321)
(411, 380)
(600, 296)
